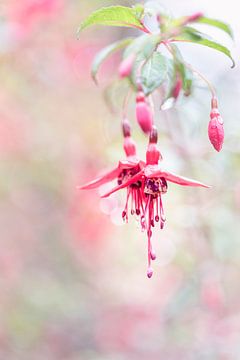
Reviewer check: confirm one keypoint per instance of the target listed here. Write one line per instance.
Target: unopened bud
(216, 130)
(125, 68)
(195, 17)
(177, 88)
(144, 115)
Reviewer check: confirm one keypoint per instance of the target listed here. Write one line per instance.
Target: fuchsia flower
(125, 170)
(144, 113)
(151, 182)
(215, 127)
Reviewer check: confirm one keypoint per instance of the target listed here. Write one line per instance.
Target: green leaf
(142, 47)
(139, 11)
(154, 72)
(192, 35)
(113, 16)
(144, 44)
(186, 74)
(216, 23)
(104, 53)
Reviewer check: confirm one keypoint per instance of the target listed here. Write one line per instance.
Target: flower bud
(144, 114)
(125, 68)
(195, 17)
(177, 87)
(215, 127)
(128, 145)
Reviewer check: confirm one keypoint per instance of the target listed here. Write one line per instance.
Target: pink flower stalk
(151, 182)
(125, 67)
(123, 172)
(144, 113)
(215, 127)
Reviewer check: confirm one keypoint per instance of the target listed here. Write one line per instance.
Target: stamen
(132, 201)
(157, 210)
(149, 272)
(125, 211)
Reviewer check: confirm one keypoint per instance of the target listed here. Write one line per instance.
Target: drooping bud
(129, 144)
(177, 87)
(215, 127)
(153, 155)
(144, 113)
(125, 67)
(191, 18)
(195, 17)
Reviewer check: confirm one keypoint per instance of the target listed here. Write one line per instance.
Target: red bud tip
(216, 131)
(126, 128)
(195, 17)
(140, 96)
(144, 116)
(125, 68)
(149, 272)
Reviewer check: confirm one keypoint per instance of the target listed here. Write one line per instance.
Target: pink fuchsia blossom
(125, 67)
(151, 182)
(215, 127)
(144, 113)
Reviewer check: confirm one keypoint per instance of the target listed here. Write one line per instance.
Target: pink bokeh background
(72, 276)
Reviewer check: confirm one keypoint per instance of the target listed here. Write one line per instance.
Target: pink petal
(134, 179)
(180, 180)
(151, 170)
(128, 164)
(111, 175)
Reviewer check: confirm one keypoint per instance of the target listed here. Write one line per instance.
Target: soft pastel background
(72, 278)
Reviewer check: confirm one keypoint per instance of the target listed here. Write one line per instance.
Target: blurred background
(72, 276)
